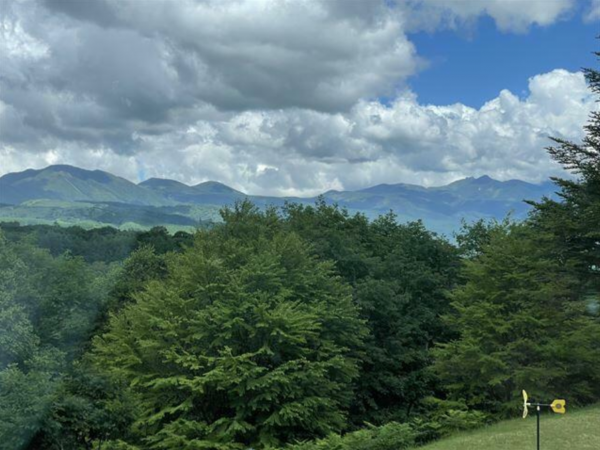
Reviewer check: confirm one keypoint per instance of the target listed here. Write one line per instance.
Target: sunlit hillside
(579, 430)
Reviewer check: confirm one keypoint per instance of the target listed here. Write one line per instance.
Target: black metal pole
(538, 427)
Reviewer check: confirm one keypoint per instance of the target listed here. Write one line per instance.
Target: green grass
(578, 430)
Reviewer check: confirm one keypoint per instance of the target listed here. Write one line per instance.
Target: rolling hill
(70, 194)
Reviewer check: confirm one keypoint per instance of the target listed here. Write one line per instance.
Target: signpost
(558, 406)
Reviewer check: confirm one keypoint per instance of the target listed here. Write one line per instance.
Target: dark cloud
(74, 74)
(94, 11)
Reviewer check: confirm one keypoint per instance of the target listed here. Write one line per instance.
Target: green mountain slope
(469, 198)
(208, 193)
(69, 183)
(578, 430)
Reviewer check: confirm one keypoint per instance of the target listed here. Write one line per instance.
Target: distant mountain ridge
(69, 183)
(211, 192)
(161, 200)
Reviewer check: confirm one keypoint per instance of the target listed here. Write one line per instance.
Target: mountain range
(71, 195)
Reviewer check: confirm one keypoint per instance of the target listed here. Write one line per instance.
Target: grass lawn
(578, 430)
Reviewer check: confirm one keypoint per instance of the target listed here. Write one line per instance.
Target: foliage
(142, 266)
(246, 342)
(445, 417)
(162, 241)
(472, 238)
(48, 307)
(87, 410)
(401, 275)
(26, 393)
(391, 436)
(517, 318)
(97, 244)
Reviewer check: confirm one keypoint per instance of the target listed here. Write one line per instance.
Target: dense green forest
(300, 327)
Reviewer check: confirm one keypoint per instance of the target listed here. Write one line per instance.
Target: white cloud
(300, 152)
(235, 54)
(271, 97)
(509, 15)
(593, 12)
(505, 138)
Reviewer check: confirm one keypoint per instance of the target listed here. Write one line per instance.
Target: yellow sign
(559, 406)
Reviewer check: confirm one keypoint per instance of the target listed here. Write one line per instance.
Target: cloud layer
(274, 97)
(509, 15)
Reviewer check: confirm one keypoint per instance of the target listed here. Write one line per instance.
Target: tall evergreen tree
(571, 225)
(521, 325)
(247, 342)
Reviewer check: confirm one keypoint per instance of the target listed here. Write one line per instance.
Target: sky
(282, 97)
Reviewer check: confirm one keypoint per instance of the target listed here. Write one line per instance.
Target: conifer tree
(246, 342)
(571, 225)
(521, 325)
